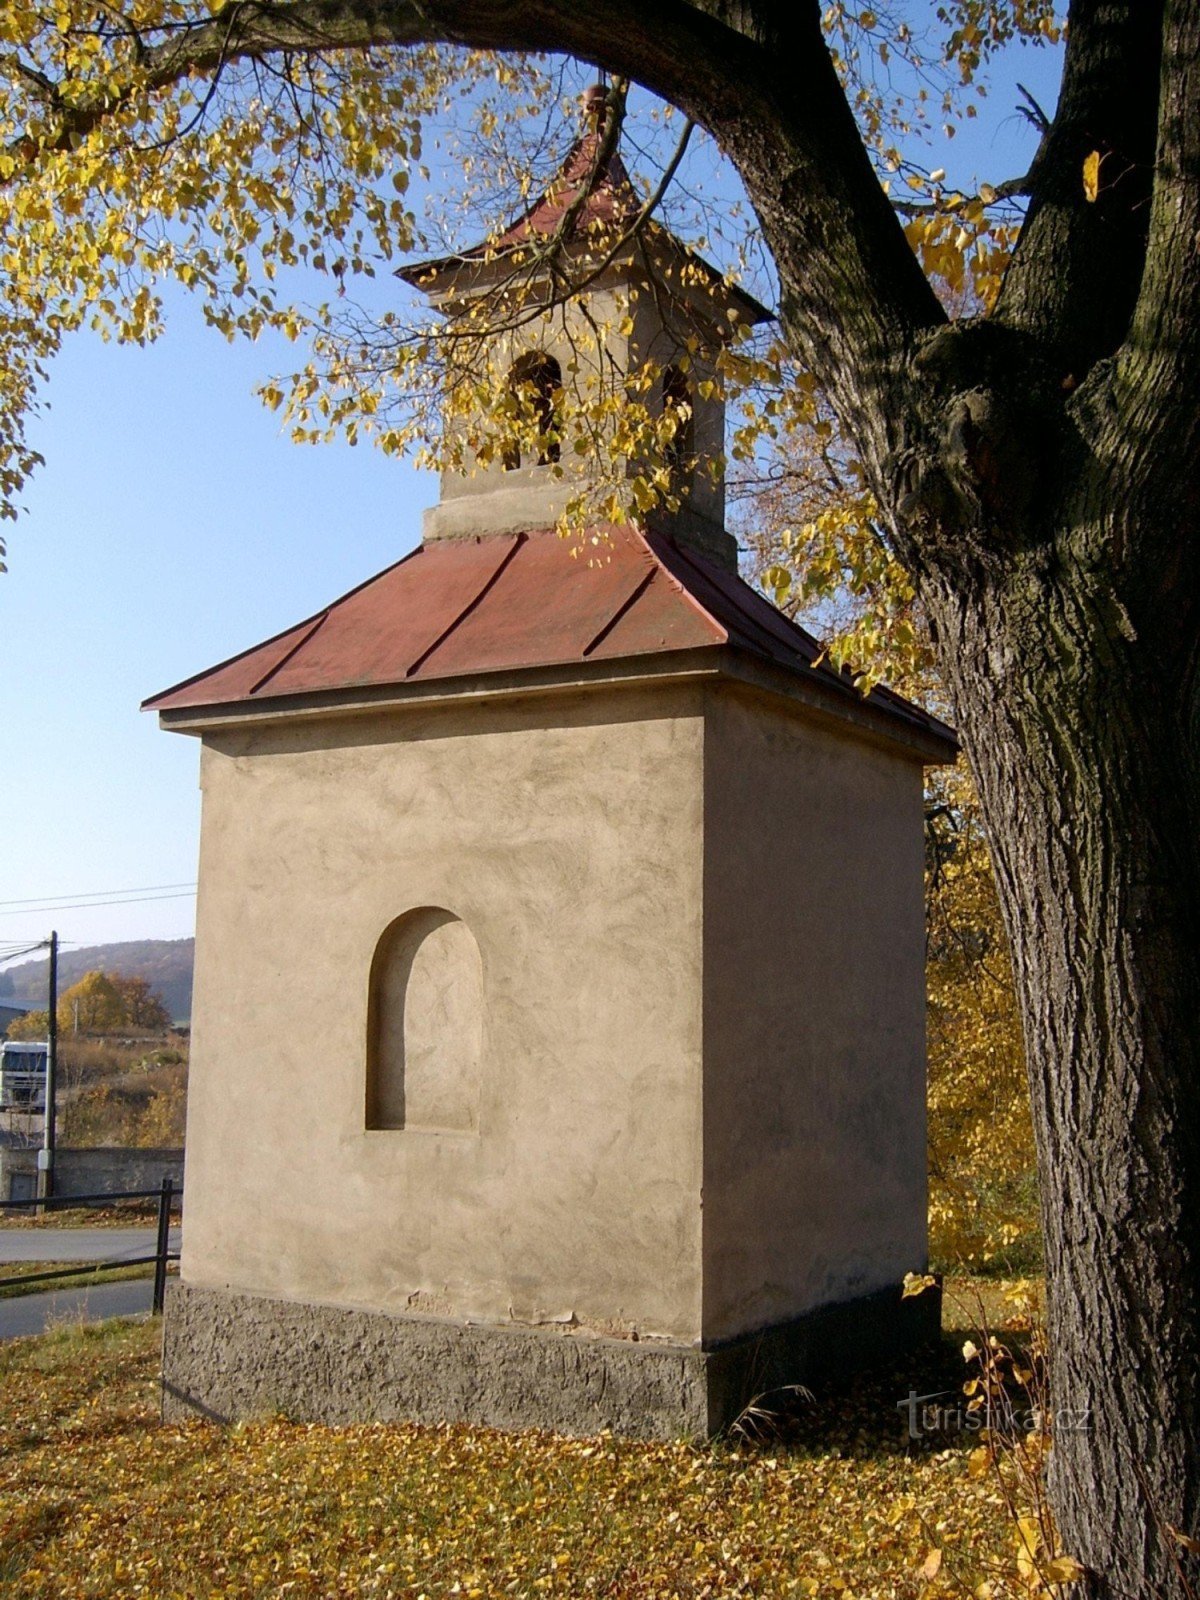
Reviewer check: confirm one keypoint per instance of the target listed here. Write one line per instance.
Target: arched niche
(425, 1024)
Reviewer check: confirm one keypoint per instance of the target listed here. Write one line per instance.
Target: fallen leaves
(99, 1499)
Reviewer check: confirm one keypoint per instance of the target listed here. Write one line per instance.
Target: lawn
(98, 1498)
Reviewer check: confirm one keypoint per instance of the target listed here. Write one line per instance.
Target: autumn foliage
(100, 1003)
(983, 1189)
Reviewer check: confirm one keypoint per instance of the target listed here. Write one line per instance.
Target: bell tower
(647, 304)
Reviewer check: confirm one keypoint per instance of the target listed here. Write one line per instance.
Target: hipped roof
(509, 604)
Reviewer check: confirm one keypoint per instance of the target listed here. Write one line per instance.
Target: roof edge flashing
(932, 745)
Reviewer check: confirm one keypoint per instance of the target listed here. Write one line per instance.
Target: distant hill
(165, 963)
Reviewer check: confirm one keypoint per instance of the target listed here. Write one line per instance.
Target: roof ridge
(517, 541)
(700, 565)
(417, 550)
(274, 638)
(646, 535)
(288, 654)
(630, 600)
(230, 661)
(880, 693)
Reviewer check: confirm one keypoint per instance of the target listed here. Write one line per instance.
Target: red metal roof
(608, 197)
(601, 202)
(465, 607)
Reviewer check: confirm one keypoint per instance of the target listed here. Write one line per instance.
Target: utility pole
(45, 1186)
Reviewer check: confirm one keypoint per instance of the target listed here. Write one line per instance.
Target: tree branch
(1166, 326)
(1075, 273)
(853, 297)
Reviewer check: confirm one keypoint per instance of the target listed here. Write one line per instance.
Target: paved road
(32, 1313)
(78, 1244)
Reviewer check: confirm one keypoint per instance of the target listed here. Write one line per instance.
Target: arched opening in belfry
(536, 380)
(681, 446)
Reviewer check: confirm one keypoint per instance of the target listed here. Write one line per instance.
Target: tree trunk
(1079, 713)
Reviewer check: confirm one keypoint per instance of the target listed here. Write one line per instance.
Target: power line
(87, 905)
(27, 950)
(40, 901)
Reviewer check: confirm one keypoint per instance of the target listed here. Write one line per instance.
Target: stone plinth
(228, 1355)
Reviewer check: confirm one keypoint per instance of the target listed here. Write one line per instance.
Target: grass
(128, 1214)
(97, 1498)
(86, 1276)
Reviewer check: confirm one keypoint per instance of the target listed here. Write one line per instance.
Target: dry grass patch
(85, 1276)
(120, 1214)
(98, 1499)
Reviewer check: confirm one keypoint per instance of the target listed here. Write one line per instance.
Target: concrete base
(228, 1355)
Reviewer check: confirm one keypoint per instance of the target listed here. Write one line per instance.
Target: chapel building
(558, 1034)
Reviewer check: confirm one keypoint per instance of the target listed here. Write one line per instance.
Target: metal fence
(167, 1194)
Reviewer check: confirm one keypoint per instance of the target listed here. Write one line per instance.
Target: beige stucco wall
(814, 1127)
(495, 500)
(696, 1106)
(567, 839)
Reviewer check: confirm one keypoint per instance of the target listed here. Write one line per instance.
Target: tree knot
(969, 475)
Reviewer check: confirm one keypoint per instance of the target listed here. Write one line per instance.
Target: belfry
(558, 1034)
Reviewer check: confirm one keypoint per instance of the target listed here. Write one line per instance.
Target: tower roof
(504, 607)
(592, 202)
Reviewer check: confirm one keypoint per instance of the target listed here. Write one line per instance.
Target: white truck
(23, 1075)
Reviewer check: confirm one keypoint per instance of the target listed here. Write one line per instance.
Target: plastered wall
(814, 1128)
(695, 1104)
(567, 840)
(495, 500)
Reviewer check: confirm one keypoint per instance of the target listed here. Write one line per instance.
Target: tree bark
(1081, 728)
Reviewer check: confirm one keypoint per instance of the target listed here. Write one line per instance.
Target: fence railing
(166, 1194)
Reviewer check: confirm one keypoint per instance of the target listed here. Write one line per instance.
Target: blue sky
(174, 525)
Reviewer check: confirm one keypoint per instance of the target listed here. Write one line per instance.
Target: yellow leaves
(644, 496)
(983, 1197)
(778, 580)
(931, 1566)
(979, 1463)
(963, 246)
(916, 1283)
(1062, 1569)
(1038, 1570)
(1091, 176)
(272, 1508)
